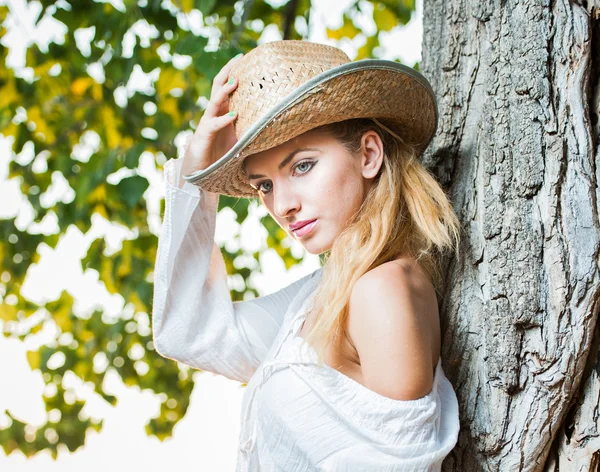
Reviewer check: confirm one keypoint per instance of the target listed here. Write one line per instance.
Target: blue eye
(308, 162)
(260, 188)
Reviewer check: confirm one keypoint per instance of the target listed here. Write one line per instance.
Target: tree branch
(290, 16)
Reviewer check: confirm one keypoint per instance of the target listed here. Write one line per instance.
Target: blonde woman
(343, 366)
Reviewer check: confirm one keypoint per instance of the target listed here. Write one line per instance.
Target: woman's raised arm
(194, 320)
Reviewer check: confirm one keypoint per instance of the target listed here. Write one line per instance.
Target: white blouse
(296, 416)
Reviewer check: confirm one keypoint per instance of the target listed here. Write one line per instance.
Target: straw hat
(288, 87)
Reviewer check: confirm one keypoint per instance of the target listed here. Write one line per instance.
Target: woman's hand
(214, 135)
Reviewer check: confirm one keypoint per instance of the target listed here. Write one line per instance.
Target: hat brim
(397, 94)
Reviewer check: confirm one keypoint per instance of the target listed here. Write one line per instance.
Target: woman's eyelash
(306, 161)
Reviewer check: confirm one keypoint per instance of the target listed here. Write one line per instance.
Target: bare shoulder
(400, 273)
(402, 280)
(394, 325)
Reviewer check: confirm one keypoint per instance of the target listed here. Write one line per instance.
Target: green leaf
(131, 190)
(239, 205)
(366, 51)
(132, 156)
(191, 45)
(205, 6)
(210, 63)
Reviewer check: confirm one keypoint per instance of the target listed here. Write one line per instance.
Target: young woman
(343, 366)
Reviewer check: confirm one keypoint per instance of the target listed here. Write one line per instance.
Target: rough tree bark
(517, 148)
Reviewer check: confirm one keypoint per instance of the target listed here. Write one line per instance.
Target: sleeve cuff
(172, 169)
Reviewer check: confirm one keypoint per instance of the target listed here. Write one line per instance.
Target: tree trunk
(517, 149)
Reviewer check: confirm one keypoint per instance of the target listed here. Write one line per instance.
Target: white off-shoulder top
(296, 416)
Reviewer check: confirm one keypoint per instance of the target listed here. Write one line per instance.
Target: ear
(371, 154)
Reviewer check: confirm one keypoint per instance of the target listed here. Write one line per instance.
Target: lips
(305, 230)
(296, 227)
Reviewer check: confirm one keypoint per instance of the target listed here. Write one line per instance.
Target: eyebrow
(285, 161)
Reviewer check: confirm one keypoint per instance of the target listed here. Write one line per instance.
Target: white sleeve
(194, 320)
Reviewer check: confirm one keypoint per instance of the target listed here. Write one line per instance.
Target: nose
(286, 201)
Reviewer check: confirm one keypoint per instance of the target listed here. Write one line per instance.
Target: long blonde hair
(406, 212)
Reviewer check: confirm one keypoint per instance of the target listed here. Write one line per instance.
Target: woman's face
(314, 178)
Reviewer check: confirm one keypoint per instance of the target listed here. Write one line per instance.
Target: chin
(314, 247)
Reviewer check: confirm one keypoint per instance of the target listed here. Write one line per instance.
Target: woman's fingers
(220, 98)
(214, 124)
(202, 145)
(222, 75)
(212, 136)
(221, 121)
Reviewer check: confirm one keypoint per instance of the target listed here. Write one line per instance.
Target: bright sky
(208, 434)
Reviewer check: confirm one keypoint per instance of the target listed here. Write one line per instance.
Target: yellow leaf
(8, 94)
(79, 113)
(33, 357)
(106, 274)
(100, 208)
(347, 30)
(280, 234)
(130, 381)
(169, 106)
(98, 195)
(80, 85)
(62, 317)
(125, 266)
(36, 328)
(168, 80)
(8, 312)
(97, 91)
(86, 335)
(11, 129)
(187, 5)
(113, 137)
(43, 69)
(34, 114)
(385, 20)
(81, 370)
(366, 50)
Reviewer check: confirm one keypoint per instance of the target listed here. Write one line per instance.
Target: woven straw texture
(270, 72)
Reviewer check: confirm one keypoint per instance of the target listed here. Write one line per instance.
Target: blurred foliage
(54, 111)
